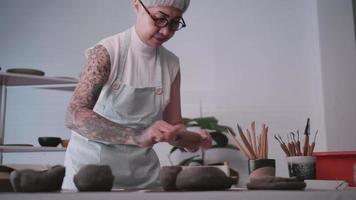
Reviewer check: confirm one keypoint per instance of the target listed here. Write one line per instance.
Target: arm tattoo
(80, 115)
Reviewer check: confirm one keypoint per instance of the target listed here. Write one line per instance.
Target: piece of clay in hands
(29, 180)
(94, 178)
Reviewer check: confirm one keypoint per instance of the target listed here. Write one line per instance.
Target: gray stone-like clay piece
(203, 178)
(94, 178)
(168, 176)
(29, 180)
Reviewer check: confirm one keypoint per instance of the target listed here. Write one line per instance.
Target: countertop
(233, 194)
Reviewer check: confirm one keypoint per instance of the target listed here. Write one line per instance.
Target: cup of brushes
(301, 162)
(255, 148)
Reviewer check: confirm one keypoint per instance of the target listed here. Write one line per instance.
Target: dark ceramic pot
(168, 176)
(257, 164)
(94, 178)
(38, 181)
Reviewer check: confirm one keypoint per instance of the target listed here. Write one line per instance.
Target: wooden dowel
(253, 129)
(259, 147)
(244, 140)
(238, 145)
(263, 145)
(249, 139)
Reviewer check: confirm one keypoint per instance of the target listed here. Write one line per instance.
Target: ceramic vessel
(262, 167)
(302, 167)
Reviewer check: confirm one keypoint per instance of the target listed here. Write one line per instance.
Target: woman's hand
(192, 141)
(176, 135)
(161, 131)
(206, 140)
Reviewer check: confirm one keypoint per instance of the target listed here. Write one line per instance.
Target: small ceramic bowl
(49, 141)
(26, 71)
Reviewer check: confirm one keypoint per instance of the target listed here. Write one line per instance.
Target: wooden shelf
(12, 79)
(18, 149)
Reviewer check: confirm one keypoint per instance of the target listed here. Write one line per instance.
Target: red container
(336, 166)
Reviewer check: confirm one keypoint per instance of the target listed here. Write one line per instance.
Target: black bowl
(26, 71)
(49, 141)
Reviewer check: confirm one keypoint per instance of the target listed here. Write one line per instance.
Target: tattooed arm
(80, 115)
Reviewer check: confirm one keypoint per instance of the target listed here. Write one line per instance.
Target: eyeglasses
(162, 22)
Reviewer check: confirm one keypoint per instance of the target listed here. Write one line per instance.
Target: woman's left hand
(206, 141)
(193, 140)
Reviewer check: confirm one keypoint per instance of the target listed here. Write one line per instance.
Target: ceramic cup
(302, 167)
(263, 167)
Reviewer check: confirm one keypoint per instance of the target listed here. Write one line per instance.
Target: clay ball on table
(29, 180)
(94, 178)
(203, 178)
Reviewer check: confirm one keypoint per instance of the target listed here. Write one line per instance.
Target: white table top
(233, 194)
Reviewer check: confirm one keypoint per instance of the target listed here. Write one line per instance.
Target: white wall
(241, 61)
(338, 58)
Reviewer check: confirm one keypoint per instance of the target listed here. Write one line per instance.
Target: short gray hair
(180, 4)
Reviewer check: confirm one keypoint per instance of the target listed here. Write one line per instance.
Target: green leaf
(220, 139)
(207, 122)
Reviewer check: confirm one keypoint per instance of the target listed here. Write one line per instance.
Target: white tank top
(140, 64)
(139, 70)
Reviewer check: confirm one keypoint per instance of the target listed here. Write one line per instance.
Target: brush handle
(311, 149)
(306, 145)
(285, 149)
(290, 148)
(254, 144)
(299, 152)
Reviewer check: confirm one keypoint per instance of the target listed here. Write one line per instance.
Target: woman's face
(148, 32)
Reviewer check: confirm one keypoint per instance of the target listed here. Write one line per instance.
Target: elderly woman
(128, 99)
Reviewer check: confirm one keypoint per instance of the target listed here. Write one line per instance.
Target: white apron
(132, 166)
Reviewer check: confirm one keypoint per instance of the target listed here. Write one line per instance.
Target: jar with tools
(255, 148)
(301, 162)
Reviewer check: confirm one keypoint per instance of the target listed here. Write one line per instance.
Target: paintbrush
(290, 145)
(313, 144)
(294, 144)
(298, 145)
(306, 138)
(283, 146)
